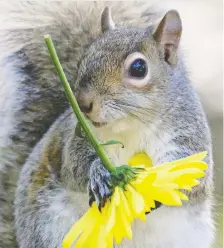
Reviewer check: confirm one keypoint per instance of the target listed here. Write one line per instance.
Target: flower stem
(81, 118)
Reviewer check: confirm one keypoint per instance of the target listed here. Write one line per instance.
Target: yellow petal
(116, 196)
(118, 230)
(92, 227)
(148, 178)
(104, 240)
(140, 159)
(144, 188)
(170, 198)
(71, 236)
(169, 177)
(191, 164)
(166, 186)
(195, 157)
(136, 200)
(77, 229)
(89, 238)
(110, 215)
(186, 183)
(186, 162)
(124, 200)
(109, 239)
(182, 196)
(121, 225)
(124, 222)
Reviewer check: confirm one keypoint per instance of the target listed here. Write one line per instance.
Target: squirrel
(125, 66)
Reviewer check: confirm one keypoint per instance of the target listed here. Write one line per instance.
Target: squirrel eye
(138, 68)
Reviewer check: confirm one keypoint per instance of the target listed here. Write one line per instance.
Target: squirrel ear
(168, 34)
(107, 22)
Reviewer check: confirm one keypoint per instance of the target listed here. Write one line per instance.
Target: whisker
(128, 109)
(138, 109)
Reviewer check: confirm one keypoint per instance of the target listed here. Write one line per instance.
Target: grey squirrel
(130, 80)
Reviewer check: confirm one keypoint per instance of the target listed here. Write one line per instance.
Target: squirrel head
(124, 72)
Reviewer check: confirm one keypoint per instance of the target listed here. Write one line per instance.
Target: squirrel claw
(91, 198)
(99, 187)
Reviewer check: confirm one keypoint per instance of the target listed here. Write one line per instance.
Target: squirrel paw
(99, 186)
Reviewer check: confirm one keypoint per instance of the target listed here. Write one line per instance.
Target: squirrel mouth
(95, 123)
(99, 124)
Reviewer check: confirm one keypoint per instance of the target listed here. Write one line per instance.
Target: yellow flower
(161, 183)
(164, 181)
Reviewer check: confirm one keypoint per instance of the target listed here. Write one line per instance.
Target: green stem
(92, 138)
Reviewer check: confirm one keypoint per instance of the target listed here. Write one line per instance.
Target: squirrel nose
(85, 103)
(86, 107)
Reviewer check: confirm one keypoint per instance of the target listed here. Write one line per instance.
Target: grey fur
(52, 177)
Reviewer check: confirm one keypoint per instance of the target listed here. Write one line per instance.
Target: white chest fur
(136, 137)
